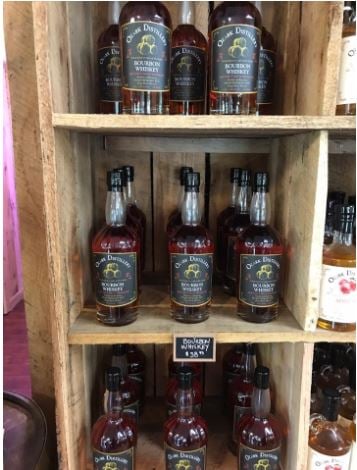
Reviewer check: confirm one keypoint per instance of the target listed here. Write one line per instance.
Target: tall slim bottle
(175, 219)
(188, 65)
(145, 40)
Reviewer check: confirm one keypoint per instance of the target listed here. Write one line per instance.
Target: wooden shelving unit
(305, 148)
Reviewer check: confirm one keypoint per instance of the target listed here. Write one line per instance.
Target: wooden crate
(77, 147)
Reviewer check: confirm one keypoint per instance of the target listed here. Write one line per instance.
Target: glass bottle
(145, 40)
(259, 256)
(175, 219)
(133, 210)
(223, 216)
(234, 42)
(329, 443)
(338, 293)
(346, 92)
(348, 400)
(196, 368)
(259, 433)
(136, 369)
(185, 432)
(232, 368)
(191, 260)
(115, 253)
(267, 58)
(353, 462)
(114, 435)
(333, 375)
(333, 198)
(241, 390)
(315, 401)
(188, 65)
(173, 387)
(233, 226)
(109, 64)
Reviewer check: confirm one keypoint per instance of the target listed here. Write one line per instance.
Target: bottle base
(118, 319)
(190, 315)
(334, 326)
(257, 316)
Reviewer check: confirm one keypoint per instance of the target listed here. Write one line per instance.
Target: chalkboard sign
(194, 348)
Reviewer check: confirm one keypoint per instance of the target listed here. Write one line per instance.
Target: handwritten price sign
(194, 348)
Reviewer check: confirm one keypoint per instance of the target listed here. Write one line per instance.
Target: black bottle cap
(245, 178)
(235, 174)
(261, 182)
(261, 377)
(128, 172)
(249, 348)
(112, 379)
(120, 349)
(185, 376)
(183, 172)
(332, 400)
(339, 356)
(192, 181)
(115, 180)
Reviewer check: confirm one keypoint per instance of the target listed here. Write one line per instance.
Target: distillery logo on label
(252, 459)
(189, 460)
(187, 74)
(116, 461)
(109, 71)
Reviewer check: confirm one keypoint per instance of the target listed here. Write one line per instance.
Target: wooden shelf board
(154, 325)
(222, 126)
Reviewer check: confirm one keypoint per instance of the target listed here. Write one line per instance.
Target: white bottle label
(353, 463)
(319, 461)
(338, 294)
(347, 90)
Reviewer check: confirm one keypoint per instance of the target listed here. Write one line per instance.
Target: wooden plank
(300, 193)
(202, 125)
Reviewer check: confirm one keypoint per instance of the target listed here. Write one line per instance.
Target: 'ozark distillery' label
(109, 73)
(188, 73)
(191, 278)
(318, 461)
(185, 460)
(146, 56)
(235, 58)
(115, 278)
(117, 461)
(347, 91)
(259, 279)
(266, 76)
(338, 294)
(253, 459)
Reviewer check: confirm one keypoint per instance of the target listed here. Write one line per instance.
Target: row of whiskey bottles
(256, 435)
(145, 68)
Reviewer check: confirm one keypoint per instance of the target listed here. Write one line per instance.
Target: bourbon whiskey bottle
(259, 433)
(234, 36)
(145, 39)
(266, 74)
(232, 368)
(233, 226)
(191, 260)
(259, 253)
(346, 93)
(114, 435)
(173, 387)
(115, 252)
(109, 64)
(175, 219)
(188, 65)
(185, 432)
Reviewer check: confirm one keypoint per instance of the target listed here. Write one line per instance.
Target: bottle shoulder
(115, 238)
(188, 35)
(192, 237)
(330, 437)
(113, 433)
(236, 222)
(259, 236)
(186, 432)
(109, 37)
(337, 254)
(230, 13)
(155, 12)
(267, 40)
(261, 433)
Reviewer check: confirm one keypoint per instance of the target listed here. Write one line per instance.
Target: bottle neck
(235, 193)
(114, 402)
(187, 13)
(261, 403)
(244, 197)
(130, 193)
(343, 235)
(122, 363)
(260, 208)
(249, 364)
(190, 211)
(113, 12)
(115, 210)
(184, 402)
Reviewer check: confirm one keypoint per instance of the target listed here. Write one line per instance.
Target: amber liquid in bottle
(188, 65)
(191, 260)
(145, 39)
(185, 432)
(259, 254)
(338, 282)
(346, 93)
(115, 253)
(109, 64)
(234, 44)
(259, 434)
(114, 435)
(267, 60)
(175, 219)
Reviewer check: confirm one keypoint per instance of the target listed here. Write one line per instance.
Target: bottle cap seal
(185, 376)
(192, 181)
(183, 172)
(128, 172)
(112, 379)
(235, 174)
(261, 377)
(261, 181)
(332, 400)
(115, 180)
(245, 178)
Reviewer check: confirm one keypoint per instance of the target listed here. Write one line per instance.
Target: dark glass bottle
(133, 210)
(234, 42)
(223, 216)
(191, 260)
(136, 368)
(173, 389)
(185, 432)
(266, 74)
(145, 40)
(109, 64)
(232, 368)
(114, 435)
(233, 226)
(334, 198)
(188, 65)
(331, 376)
(260, 433)
(259, 255)
(115, 252)
(241, 390)
(175, 219)
(196, 367)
